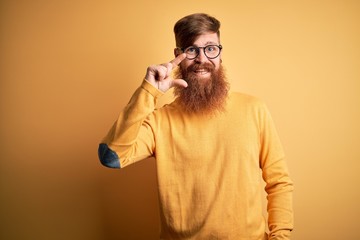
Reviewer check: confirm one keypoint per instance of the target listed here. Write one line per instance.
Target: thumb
(179, 83)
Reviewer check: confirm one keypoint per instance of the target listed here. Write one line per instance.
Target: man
(211, 145)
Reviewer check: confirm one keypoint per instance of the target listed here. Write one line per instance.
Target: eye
(210, 48)
(191, 50)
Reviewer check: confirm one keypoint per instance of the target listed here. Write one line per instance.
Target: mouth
(201, 72)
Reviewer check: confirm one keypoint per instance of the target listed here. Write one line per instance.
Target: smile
(201, 71)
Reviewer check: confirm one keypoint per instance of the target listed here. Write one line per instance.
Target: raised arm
(130, 139)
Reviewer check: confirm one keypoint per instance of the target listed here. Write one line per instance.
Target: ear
(177, 51)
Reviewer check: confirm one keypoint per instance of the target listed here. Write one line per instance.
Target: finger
(179, 83)
(161, 73)
(175, 62)
(168, 66)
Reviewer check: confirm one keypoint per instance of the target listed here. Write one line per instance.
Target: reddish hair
(188, 28)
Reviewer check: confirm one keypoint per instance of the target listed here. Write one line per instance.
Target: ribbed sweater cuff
(151, 89)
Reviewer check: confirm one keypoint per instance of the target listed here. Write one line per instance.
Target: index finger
(176, 61)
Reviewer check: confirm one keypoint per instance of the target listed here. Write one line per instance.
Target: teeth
(201, 71)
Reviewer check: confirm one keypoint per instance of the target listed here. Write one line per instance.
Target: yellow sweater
(209, 167)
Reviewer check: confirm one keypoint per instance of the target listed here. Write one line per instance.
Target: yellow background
(68, 67)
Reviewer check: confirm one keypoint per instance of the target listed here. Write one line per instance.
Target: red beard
(202, 95)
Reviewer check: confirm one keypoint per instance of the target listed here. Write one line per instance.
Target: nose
(201, 57)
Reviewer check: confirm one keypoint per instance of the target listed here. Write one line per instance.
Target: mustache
(196, 66)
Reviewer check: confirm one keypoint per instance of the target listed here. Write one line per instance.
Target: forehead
(206, 39)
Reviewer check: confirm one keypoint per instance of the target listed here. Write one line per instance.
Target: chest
(202, 139)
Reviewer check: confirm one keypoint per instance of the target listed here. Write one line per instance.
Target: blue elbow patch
(108, 157)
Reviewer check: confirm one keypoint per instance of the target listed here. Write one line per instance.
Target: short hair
(188, 28)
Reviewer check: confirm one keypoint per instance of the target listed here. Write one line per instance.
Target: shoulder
(240, 99)
(165, 110)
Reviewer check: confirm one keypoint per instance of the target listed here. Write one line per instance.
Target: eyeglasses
(210, 51)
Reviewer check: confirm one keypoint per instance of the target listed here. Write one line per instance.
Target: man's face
(201, 60)
(207, 86)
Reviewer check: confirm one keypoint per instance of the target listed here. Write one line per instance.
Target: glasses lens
(212, 51)
(191, 52)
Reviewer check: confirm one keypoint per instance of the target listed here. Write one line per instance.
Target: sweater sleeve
(131, 139)
(279, 186)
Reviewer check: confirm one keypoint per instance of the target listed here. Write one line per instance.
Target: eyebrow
(207, 43)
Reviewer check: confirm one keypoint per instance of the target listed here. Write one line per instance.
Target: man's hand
(160, 75)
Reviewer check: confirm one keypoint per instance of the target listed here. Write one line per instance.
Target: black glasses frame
(203, 48)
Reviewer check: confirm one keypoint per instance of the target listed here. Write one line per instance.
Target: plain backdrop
(67, 68)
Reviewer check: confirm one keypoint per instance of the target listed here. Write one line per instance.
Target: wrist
(151, 88)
